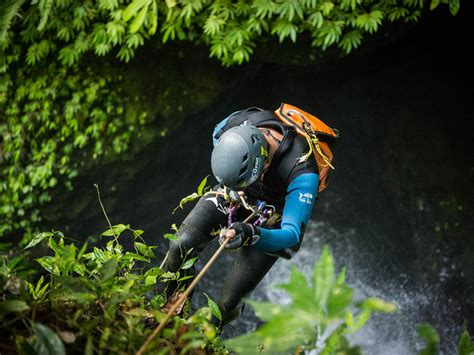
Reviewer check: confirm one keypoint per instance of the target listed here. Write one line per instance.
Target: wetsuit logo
(306, 198)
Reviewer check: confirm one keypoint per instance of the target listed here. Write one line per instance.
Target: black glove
(246, 234)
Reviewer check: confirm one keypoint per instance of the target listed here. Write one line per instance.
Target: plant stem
(105, 213)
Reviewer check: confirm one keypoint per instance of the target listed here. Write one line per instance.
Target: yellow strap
(314, 147)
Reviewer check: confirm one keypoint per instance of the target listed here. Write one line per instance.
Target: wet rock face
(398, 210)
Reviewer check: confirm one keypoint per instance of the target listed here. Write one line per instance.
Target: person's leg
(195, 233)
(248, 270)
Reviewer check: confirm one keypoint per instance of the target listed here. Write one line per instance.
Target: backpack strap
(292, 156)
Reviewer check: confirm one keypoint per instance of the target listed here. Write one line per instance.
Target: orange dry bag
(313, 129)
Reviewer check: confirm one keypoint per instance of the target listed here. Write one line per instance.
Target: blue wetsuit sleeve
(299, 202)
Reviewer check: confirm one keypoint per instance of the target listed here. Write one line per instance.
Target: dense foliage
(94, 299)
(62, 98)
(91, 299)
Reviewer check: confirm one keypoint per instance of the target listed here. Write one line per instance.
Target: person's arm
(300, 197)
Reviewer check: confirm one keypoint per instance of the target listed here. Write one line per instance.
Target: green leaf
(187, 199)
(326, 7)
(431, 338)
(339, 300)
(466, 346)
(6, 246)
(434, 4)
(89, 349)
(170, 236)
(116, 230)
(9, 12)
(144, 249)
(202, 186)
(47, 342)
(49, 264)
(316, 19)
(170, 3)
(138, 21)
(128, 257)
(213, 25)
(454, 6)
(108, 270)
(370, 22)
(350, 41)
(38, 238)
(323, 278)
(154, 271)
(215, 311)
(300, 291)
(335, 342)
(10, 306)
(185, 278)
(154, 18)
(133, 8)
(188, 263)
(265, 310)
(373, 304)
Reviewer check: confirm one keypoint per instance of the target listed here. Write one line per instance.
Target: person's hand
(240, 234)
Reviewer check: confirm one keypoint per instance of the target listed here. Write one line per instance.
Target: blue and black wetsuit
(290, 186)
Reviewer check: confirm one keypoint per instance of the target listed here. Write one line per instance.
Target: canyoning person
(275, 159)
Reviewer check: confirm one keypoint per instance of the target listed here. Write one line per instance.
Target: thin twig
(186, 293)
(164, 260)
(182, 298)
(103, 210)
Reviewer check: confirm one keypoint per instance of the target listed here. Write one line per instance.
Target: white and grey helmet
(238, 157)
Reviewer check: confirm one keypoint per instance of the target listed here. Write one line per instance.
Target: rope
(314, 147)
(186, 293)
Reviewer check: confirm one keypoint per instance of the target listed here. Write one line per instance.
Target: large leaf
(265, 310)
(300, 292)
(284, 333)
(339, 300)
(8, 10)
(323, 278)
(139, 19)
(38, 238)
(11, 306)
(47, 342)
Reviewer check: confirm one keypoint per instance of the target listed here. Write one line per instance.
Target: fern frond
(8, 10)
